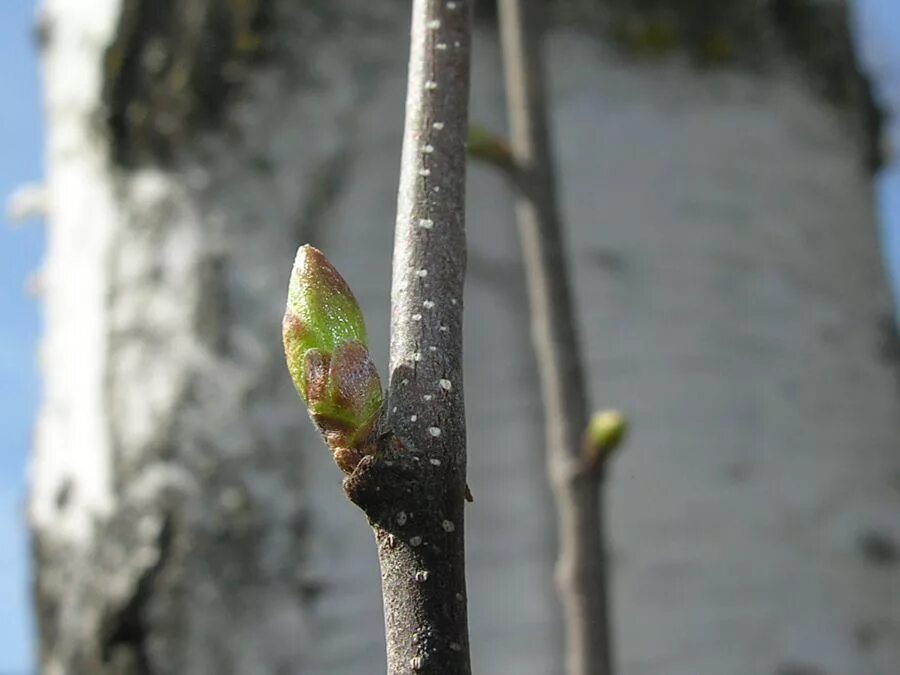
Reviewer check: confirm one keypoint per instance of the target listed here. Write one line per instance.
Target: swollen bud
(605, 432)
(327, 356)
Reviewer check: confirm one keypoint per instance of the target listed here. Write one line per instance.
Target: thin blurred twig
(575, 474)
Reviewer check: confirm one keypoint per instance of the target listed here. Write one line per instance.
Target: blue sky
(20, 256)
(21, 250)
(878, 23)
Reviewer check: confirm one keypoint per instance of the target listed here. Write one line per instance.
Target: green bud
(321, 310)
(605, 432)
(327, 356)
(486, 147)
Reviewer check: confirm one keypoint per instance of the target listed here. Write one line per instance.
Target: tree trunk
(191, 146)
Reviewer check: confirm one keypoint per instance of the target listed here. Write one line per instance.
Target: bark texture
(413, 491)
(172, 522)
(581, 566)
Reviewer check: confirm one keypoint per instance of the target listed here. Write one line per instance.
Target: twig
(413, 490)
(581, 567)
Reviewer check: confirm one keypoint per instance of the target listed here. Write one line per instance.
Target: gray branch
(413, 490)
(581, 568)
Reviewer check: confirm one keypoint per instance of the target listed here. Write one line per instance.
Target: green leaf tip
(605, 432)
(322, 300)
(326, 350)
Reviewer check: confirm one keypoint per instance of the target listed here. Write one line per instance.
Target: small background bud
(605, 432)
(487, 147)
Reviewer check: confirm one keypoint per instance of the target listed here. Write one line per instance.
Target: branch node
(492, 149)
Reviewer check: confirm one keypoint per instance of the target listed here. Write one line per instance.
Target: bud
(327, 356)
(605, 432)
(481, 144)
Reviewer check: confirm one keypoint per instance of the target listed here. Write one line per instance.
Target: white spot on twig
(413, 418)
(434, 431)
(448, 526)
(426, 223)
(452, 5)
(453, 301)
(443, 328)
(428, 304)
(432, 348)
(438, 126)
(422, 273)
(424, 172)
(417, 356)
(394, 409)
(422, 576)
(435, 461)
(457, 44)
(441, 46)
(417, 663)
(416, 317)
(404, 381)
(415, 541)
(436, 188)
(427, 397)
(434, 24)
(430, 84)
(446, 385)
(428, 149)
